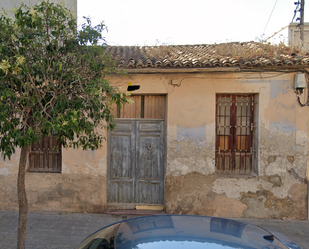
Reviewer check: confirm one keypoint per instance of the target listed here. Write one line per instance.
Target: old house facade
(213, 130)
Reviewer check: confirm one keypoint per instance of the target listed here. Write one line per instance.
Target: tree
(52, 80)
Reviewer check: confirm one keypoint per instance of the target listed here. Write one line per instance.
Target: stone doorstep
(138, 212)
(150, 207)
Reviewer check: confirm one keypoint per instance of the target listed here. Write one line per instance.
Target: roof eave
(211, 70)
(180, 70)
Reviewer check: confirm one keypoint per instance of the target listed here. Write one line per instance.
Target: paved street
(51, 230)
(67, 230)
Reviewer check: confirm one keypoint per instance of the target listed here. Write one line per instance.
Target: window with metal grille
(45, 155)
(234, 133)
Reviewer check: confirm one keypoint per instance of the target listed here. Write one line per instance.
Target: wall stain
(275, 180)
(263, 204)
(192, 134)
(283, 126)
(296, 175)
(279, 87)
(291, 159)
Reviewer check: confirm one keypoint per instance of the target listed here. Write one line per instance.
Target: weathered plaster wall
(81, 187)
(196, 193)
(277, 190)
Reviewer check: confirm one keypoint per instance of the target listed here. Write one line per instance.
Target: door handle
(149, 146)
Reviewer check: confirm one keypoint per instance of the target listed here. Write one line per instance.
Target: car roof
(186, 230)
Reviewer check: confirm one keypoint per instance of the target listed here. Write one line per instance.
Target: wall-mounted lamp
(300, 82)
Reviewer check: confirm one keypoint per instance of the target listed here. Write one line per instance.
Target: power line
(276, 33)
(296, 9)
(270, 17)
(302, 8)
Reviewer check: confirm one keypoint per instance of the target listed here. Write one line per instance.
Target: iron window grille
(234, 133)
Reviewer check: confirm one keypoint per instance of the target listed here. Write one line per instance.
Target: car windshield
(103, 239)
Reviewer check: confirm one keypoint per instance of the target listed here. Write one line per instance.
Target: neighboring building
(14, 4)
(294, 35)
(214, 130)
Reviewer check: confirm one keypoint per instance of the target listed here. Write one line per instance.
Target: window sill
(46, 172)
(237, 175)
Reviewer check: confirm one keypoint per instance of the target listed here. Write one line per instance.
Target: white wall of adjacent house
(294, 35)
(10, 5)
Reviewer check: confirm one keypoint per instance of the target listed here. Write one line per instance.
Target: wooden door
(149, 164)
(136, 159)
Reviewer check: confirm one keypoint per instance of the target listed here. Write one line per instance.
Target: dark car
(184, 231)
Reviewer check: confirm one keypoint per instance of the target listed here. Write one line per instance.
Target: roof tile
(234, 54)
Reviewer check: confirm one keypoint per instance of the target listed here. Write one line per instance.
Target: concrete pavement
(66, 230)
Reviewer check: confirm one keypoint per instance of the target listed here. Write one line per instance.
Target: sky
(180, 22)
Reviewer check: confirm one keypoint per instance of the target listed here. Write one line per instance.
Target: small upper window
(143, 106)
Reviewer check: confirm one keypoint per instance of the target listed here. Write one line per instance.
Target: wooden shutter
(154, 107)
(143, 106)
(132, 110)
(45, 155)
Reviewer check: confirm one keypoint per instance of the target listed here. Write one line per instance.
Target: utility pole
(302, 18)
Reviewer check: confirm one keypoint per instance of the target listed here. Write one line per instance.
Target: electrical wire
(301, 104)
(276, 73)
(276, 33)
(270, 17)
(296, 9)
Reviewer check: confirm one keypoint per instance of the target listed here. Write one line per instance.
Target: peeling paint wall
(277, 190)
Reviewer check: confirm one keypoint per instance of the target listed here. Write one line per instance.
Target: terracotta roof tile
(235, 54)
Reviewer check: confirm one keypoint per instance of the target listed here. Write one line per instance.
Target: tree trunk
(22, 199)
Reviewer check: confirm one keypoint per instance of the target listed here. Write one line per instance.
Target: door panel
(149, 161)
(127, 189)
(121, 156)
(142, 192)
(120, 174)
(136, 162)
(155, 188)
(150, 176)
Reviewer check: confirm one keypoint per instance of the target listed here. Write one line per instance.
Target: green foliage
(53, 79)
